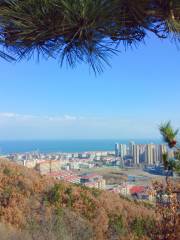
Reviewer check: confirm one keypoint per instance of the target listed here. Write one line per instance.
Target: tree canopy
(82, 30)
(170, 136)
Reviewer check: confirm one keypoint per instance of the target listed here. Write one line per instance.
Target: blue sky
(128, 100)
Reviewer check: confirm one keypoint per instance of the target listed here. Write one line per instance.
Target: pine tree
(167, 203)
(82, 30)
(170, 137)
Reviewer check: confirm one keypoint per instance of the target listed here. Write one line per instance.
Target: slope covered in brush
(43, 208)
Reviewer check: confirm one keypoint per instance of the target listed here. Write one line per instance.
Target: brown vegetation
(167, 210)
(41, 208)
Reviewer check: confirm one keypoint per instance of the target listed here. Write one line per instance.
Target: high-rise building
(142, 149)
(157, 154)
(120, 150)
(136, 154)
(117, 150)
(123, 150)
(150, 154)
(131, 144)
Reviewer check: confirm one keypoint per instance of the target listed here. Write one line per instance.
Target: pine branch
(83, 30)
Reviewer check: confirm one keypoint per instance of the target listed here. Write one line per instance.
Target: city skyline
(138, 154)
(129, 100)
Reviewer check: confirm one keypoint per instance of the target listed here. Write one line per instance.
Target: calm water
(47, 146)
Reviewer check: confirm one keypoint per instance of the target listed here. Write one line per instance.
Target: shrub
(89, 205)
(7, 171)
(95, 192)
(138, 226)
(143, 227)
(117, 224)
(5, 196)
(53, 195)
(65, 225)
(69, 197)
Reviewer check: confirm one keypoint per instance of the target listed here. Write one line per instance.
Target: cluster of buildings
(88, 180)
(131, 155)
(137, 187)
(65, 157)
(137, 192)
(55, 169)
(141, 154)
(68, 166)
(51, 162)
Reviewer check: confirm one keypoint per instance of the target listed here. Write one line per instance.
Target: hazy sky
(129, 100)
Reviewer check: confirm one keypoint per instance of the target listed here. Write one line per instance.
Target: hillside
(39, 207)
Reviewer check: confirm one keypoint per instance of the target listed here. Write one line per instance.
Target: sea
(58, 146)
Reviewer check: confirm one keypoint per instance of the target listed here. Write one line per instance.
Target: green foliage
(142, 226)
(54, 195)
(117, 224)
(138, 227)
(69, 196)
(170, 137)
(177, 166)
(82, 30)
(169, 164)
(165, 160)
(95, 192)
(7, 171)
(90, 205)
(169, 134)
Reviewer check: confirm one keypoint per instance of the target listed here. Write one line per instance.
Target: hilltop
(39, 207)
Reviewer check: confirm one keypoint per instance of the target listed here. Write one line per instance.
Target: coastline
(61, 146)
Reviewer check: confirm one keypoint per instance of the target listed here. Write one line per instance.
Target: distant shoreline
(67, 146)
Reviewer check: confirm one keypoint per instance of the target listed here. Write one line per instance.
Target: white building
(131, 144)
(117, 150)
(123, 150)
(136, 154)
(120, 150)
(150, 154)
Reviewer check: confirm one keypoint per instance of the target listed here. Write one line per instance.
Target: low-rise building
(47, 166)
(66, 176)
(95, 179)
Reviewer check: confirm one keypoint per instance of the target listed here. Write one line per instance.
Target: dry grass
(28, 199)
